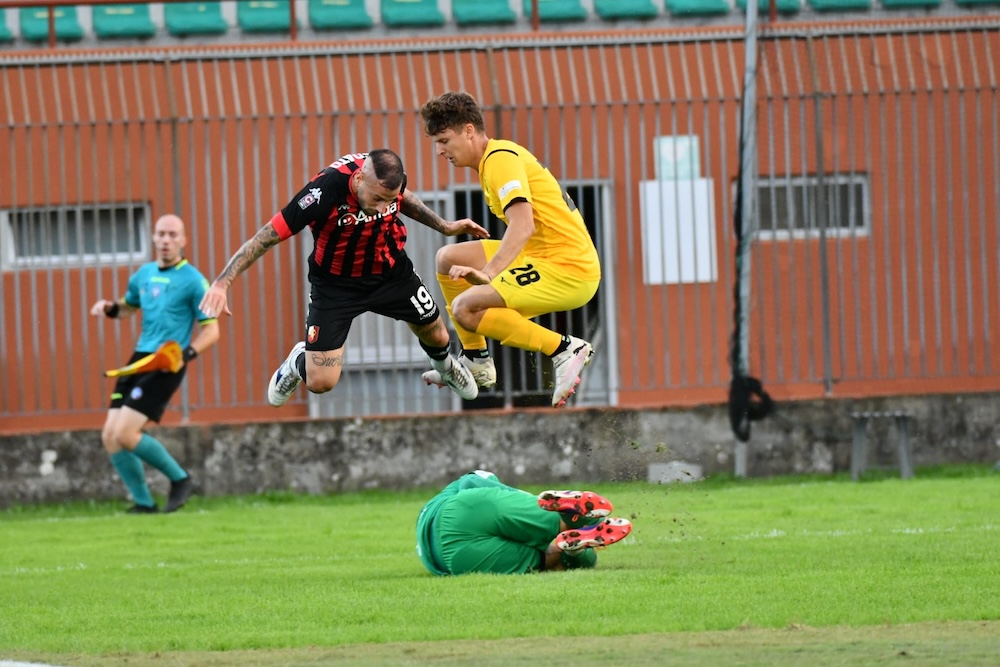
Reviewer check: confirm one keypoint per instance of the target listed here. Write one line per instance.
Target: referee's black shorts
(148, 393)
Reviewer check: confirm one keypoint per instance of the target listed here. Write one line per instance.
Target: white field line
(777, 533)
(14, 663)
(79, 567)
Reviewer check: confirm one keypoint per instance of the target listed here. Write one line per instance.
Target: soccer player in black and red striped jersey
(357, 265)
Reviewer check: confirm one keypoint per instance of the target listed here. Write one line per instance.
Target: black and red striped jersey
(347, 243)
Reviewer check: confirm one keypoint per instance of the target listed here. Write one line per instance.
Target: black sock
(436, 353)
(300, 366)
(563, 345)
(477, 355)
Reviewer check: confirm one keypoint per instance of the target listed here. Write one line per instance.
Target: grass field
(798, 571)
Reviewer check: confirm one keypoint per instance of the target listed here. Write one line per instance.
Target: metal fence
(874, 266)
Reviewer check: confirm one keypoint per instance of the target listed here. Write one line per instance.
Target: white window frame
(10, 261)
(864, 229)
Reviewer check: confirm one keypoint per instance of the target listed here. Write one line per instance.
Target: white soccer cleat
(483, 372)
(286, 379)
(457, 377)
(567, 367)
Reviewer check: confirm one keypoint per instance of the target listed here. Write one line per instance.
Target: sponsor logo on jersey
(312, 197)
(508, 187)
(347, 218)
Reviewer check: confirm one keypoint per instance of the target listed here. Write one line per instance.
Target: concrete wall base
(529, 447)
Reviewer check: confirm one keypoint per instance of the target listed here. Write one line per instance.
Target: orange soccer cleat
(600, 534)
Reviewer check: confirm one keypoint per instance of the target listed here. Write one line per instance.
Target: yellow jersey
(509, 173)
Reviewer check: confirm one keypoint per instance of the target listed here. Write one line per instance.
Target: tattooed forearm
(322, 360)
(248, 253)
(419, 211)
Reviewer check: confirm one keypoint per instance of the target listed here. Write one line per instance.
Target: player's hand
(466, 226)
(99, 309)
(216, 301)
(471, 275)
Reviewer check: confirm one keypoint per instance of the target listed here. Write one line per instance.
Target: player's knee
(108, 440)
(463, 314)
(115, 439)
(321, 385)
(442, 259)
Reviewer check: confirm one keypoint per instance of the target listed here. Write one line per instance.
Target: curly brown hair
(451, 111)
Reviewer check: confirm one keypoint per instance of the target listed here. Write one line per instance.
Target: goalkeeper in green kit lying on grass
(479, 524)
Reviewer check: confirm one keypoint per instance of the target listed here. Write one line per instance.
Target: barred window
(74, 236)
(789, 206)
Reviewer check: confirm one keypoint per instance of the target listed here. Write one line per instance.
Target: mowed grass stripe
(285, 572)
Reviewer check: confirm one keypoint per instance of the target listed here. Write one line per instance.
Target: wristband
(112, 311)
(189, 353)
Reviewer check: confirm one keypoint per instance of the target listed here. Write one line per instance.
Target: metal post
(821, 220)
(748, 217)
(748, 181)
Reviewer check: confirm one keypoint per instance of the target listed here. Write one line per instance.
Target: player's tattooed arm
(419, 211)
(249, 253)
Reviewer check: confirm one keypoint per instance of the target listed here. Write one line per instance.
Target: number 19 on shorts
(423, 302)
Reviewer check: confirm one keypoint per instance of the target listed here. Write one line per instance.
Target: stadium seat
(411, 13)
(910, 4)
(698, 7)
(557, 10)
(969, 3)
(611, 10)
(263, 15)
(112, 21)
(5, 34)
(839, 5)
(334, 14)
(482, 11)
(35, 24)
(194, 18)
(783, 6)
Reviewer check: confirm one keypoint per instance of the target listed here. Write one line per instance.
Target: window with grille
(74, 236)
(790, 207)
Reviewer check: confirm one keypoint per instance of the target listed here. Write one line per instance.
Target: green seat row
(261, 16)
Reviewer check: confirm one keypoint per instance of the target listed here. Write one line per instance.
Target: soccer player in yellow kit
(545, 263)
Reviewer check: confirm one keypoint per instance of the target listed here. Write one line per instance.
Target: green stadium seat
(910, 4)
(783, 6)
(969, 3)
(411, 13)
(839, 5)
(112, 21)
(194, 18)
(467, 12)
(557, 10)
(698, 7)
(5, 34)
(625, 9)
(334, 14)
(263, 15)
(35, 24)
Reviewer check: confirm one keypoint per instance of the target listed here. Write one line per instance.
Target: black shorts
(334, 305)
(148, 393)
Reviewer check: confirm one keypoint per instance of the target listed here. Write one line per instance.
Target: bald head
(169, 239)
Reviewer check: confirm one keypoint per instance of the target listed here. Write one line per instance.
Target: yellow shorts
(533, 286)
